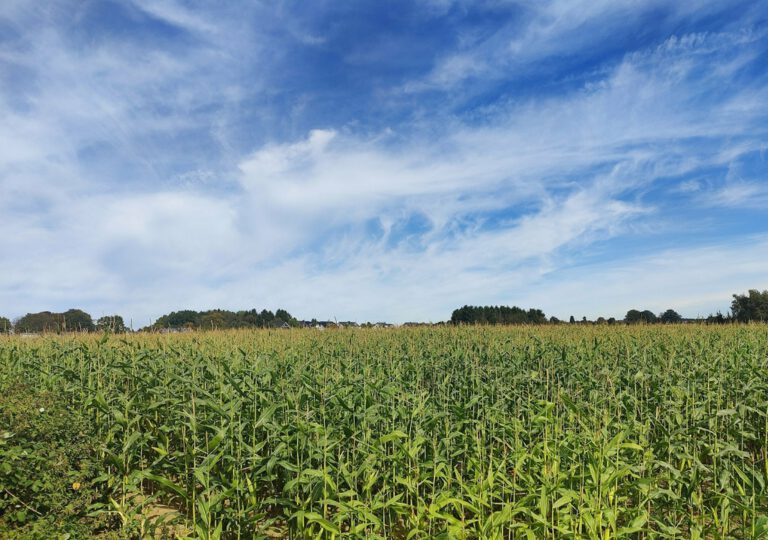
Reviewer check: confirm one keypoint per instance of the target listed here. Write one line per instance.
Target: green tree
(211, 320)
(44, 321)
(497, 315)
(635, 316)
(670, 317)
(178, 319)
(752, 306)
(286, 317)
(222, 318)
(718, 318)
(266, 318)
(111, 323)
(5, 325)
(73, 320)
(76, 320)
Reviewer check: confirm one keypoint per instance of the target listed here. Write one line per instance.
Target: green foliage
(719, 318)
(223, 319)
(497, 315)
(752, 306)
(73, 320)
(670, 317)
(635, 316)
(5, 325)
(111, 323)
(76, 320)
(45, 321)
(48, 466)
(564, 431)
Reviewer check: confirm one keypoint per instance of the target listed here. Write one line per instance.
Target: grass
(524, 432)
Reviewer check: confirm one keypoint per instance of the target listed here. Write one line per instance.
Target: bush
(48, 464)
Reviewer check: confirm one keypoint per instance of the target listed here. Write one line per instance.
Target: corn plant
(498, 433)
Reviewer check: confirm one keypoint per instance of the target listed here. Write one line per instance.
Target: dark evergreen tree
(497, 315)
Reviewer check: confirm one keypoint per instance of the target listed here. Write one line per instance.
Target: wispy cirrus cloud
(563, 31)
(171, 166)
(738, 194)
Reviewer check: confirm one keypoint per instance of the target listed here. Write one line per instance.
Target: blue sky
(382, 160)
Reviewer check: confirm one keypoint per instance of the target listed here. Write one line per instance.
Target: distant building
(175, 330)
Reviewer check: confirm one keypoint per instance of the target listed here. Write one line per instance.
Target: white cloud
(693, 281)
(738, 194)
(176, 15)
(689, 186)
(562, 28)
(509, 201)
(637, 121)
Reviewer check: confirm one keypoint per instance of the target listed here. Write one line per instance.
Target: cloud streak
(141, 176)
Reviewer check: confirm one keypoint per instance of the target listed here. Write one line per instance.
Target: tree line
(73, 320)
(221, 318)
(749, 307)
(77, 320)
(752, 306)
(497, 315)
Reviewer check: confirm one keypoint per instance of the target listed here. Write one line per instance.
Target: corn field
(497, 433)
